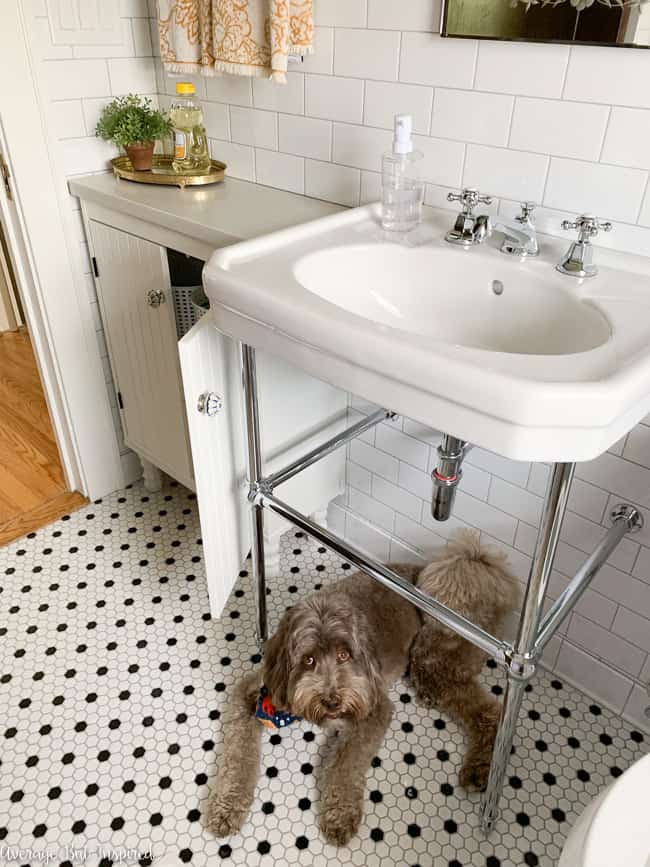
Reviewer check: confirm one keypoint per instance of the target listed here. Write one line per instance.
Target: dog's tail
(472, 578)
(467, 544)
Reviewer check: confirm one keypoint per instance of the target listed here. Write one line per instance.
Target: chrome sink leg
(523, 660)
(249, 380)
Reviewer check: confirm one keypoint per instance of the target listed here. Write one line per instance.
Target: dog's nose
(332, 702)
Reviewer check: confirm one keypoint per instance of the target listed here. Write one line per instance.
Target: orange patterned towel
(242, 37)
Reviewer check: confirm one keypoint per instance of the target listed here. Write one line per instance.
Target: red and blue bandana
(269, 716)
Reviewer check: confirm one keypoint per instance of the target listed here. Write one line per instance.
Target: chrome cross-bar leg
(254, 448)
(522, 663)
(625, 519)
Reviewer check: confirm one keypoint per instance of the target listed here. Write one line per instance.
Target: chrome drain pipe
(447, 475)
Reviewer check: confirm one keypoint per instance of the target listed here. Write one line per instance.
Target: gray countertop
(217, 214)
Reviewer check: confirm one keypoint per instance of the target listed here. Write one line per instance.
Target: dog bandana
(269, 716)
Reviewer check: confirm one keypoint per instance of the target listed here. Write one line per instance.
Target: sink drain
(497, 287)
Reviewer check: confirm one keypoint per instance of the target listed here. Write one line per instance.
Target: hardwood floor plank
(21, 392)
(21, 496)
(26, 446)
(31, 475)
(41, 515)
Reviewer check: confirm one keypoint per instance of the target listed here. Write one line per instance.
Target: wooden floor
(32, 486)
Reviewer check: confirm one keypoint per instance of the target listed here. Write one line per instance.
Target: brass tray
(162, 172)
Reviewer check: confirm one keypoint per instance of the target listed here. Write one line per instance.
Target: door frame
(10, 315)
(39, 230)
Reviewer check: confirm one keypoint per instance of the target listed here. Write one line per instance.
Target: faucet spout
(519, 235)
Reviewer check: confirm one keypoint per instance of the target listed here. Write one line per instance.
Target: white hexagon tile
(112, 681)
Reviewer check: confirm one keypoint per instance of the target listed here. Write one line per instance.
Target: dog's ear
(365, 652)
(277, 662)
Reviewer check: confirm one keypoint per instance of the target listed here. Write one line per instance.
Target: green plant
(130, 119)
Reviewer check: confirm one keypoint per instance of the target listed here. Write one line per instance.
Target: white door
(296, 412)
(138, 312)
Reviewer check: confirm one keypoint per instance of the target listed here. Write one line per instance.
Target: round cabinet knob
(209, 403)
(155, 297)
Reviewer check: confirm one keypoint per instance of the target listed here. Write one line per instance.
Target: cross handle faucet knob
(587, 226)
(469, 198)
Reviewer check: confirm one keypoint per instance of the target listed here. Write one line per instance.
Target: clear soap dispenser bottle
(402, 187)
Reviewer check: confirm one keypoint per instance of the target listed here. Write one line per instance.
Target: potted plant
(131, 122)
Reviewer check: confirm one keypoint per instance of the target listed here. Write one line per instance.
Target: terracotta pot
(140, 154)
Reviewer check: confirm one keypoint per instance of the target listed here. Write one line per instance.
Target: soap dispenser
(402, 188)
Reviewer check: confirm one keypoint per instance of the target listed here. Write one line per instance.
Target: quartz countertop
(219, 214)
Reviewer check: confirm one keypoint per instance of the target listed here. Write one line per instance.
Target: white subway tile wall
(250, 126)
(505, 67)
(367, 53)
(572, 136)
(385, 99)
(470, 116)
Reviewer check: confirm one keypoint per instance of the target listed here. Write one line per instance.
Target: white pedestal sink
(506, 354)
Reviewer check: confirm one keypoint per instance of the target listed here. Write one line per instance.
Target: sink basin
(436, 293)
(507, 354)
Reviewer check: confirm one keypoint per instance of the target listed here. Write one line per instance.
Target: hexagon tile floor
(113, 677)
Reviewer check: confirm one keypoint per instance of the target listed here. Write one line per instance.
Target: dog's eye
(342, 656)
(308, 661)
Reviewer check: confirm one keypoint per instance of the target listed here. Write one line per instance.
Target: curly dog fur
(473, 580)
(332, 661)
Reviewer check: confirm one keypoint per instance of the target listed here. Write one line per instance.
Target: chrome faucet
(520, 235)
(578, 261)
(469, 228)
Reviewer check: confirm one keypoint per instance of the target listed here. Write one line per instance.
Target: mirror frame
(443, 32)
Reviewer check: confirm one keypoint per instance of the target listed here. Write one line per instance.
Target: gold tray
(162, 172)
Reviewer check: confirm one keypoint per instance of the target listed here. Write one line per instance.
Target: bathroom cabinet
(163, 411)
(134, 294)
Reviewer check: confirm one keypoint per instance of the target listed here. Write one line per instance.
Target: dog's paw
(225, 819)
(474, 774)
(340, 822)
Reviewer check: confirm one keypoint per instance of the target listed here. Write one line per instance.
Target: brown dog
(332, 661)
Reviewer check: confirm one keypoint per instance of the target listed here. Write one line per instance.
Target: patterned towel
(242, 37)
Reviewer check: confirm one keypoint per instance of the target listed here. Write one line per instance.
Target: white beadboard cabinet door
(297, 412)
(209, 363)
(143, 347)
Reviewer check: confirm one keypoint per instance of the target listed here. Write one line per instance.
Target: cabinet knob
(155, 297)
(209, 403)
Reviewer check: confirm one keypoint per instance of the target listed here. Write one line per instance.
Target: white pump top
(402, 141)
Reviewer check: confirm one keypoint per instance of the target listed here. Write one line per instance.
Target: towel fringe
(222, 67)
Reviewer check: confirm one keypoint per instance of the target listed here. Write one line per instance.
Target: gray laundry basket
(190, 301)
